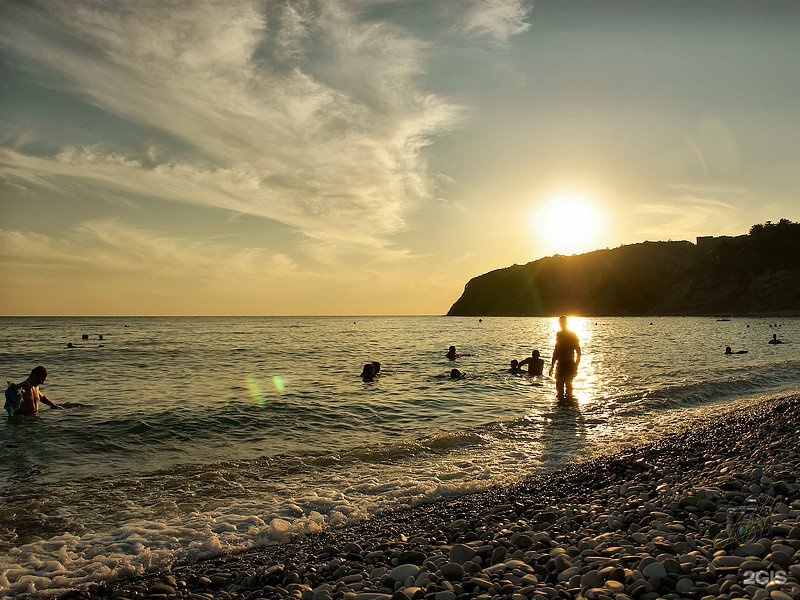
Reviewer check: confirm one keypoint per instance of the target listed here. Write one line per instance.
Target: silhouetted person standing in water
(566, 358)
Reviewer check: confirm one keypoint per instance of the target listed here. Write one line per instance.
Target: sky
(342, 157)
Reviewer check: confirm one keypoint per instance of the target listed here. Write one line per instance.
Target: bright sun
(567, 224)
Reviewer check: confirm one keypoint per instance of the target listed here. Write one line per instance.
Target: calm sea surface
(184, 437)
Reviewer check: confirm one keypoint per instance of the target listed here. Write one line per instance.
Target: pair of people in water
(534, 363)
(24, 398)
(773, 341)
(371, 371)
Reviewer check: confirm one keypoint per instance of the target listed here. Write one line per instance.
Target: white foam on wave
(53, 566)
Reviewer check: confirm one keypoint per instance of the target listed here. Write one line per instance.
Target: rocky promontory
(757, 273)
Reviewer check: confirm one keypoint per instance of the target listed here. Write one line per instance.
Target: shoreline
(646, 522)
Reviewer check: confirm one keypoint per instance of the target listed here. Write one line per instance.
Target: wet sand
(648, 522)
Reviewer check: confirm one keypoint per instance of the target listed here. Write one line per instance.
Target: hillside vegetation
(747, 274)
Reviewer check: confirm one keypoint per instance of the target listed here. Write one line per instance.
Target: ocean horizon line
(756, 315)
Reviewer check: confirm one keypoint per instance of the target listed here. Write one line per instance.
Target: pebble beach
(668, 519)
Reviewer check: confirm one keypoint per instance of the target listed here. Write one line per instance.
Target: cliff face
(759, 272)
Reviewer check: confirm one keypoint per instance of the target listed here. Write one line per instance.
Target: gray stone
(753, 549)
(461, 553)
(654, 569)
(591, 580)
(522, 541)
(684, 585)
(403, 572)
(452, 571)
(780, 558)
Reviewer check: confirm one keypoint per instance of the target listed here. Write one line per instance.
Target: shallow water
(188, 436)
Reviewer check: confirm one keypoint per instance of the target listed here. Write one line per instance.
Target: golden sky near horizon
(370, 157)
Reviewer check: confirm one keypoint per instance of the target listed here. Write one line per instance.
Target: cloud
(296, 112)
(114, 249)
(691, 215)
(496, 19)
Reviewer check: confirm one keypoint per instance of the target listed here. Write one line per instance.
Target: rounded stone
(654, 569)
(591, 580)
(403, 572)
(753, 549)
(684, 585)
(522, 541)
(781, 558)
(452, 571)
(727, 561)
(461, 553)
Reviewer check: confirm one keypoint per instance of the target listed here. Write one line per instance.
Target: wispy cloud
(295, 111)
(497, 19)
(113, 248)
(691, 215)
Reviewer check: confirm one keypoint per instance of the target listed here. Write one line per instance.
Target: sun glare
(567, 224)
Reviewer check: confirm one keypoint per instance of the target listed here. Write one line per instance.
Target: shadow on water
(563, 433)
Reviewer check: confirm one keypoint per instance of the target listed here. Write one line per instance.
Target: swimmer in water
(729, 351)
(452, 354)
(30, 393)
(535, 364)
(775, 339)
(368, 374)
(514, 366)
(376, 368)
(456, 374)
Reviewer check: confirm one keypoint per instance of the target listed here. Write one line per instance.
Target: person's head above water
(728, 350)
(376, 366)
(514, 364)
(38, 375)
(456, 374)
(368, 373)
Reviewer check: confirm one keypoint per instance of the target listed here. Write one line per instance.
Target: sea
(184, 438)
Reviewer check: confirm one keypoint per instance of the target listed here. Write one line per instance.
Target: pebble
(727, 561)
(654, 569)
(452, 571)
(461, 553)
(684, 585)
(403, 572)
